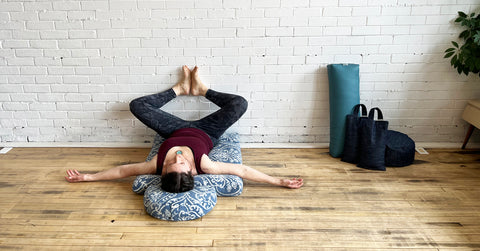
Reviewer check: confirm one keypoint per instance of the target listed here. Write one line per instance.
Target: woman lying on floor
(184, 153)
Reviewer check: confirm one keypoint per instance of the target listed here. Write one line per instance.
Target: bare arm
(117, 172)
(246, 172)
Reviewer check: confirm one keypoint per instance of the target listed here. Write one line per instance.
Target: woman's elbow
(241, 171)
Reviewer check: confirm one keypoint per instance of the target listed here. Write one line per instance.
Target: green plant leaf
(464, 34)
(455, 64)
(449, 54)
(476, 38)
(470, 63)
(465, 58)
(453, 61)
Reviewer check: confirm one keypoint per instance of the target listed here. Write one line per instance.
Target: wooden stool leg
(467, 137)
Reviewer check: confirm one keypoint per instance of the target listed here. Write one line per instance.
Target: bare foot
(198, 88)
(183, 86)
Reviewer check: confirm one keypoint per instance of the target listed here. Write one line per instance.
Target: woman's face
(179, 164)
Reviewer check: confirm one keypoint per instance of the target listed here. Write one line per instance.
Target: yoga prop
(195, 203)
(351, 147)
(400, 149)
(344, 86)
(373, 140)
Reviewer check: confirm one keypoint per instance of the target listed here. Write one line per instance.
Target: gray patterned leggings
(147, 109)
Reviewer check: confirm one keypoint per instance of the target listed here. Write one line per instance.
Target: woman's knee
(241, 103)
(136, 105)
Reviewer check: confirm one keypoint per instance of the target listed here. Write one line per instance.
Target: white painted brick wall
(68, 69)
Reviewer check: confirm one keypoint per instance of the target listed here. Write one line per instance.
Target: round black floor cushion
(400, 149)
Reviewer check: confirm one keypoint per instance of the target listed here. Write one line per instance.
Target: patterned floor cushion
(199, 201)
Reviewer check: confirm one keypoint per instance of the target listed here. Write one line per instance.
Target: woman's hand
(75, 176)
(293, 183)
(113, 173)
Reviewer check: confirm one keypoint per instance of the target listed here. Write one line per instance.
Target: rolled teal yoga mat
(344, 94)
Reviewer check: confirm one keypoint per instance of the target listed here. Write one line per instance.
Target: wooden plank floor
(431, 205)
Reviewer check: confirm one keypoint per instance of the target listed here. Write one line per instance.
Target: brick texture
(68, 69)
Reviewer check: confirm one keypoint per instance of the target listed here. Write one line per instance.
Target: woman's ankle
(198, 87)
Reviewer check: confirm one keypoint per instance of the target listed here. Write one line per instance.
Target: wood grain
(431, 205)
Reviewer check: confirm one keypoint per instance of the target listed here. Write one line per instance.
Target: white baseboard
(446, 145)
(76, 144)
(243, 145)
(284, 145)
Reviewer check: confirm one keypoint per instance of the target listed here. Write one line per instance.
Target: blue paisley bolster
(185, 206)
(199, 201)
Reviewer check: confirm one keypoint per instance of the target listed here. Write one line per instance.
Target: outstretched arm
(246, 172)
(117, 172)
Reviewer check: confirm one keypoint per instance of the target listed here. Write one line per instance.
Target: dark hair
(175, 182)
